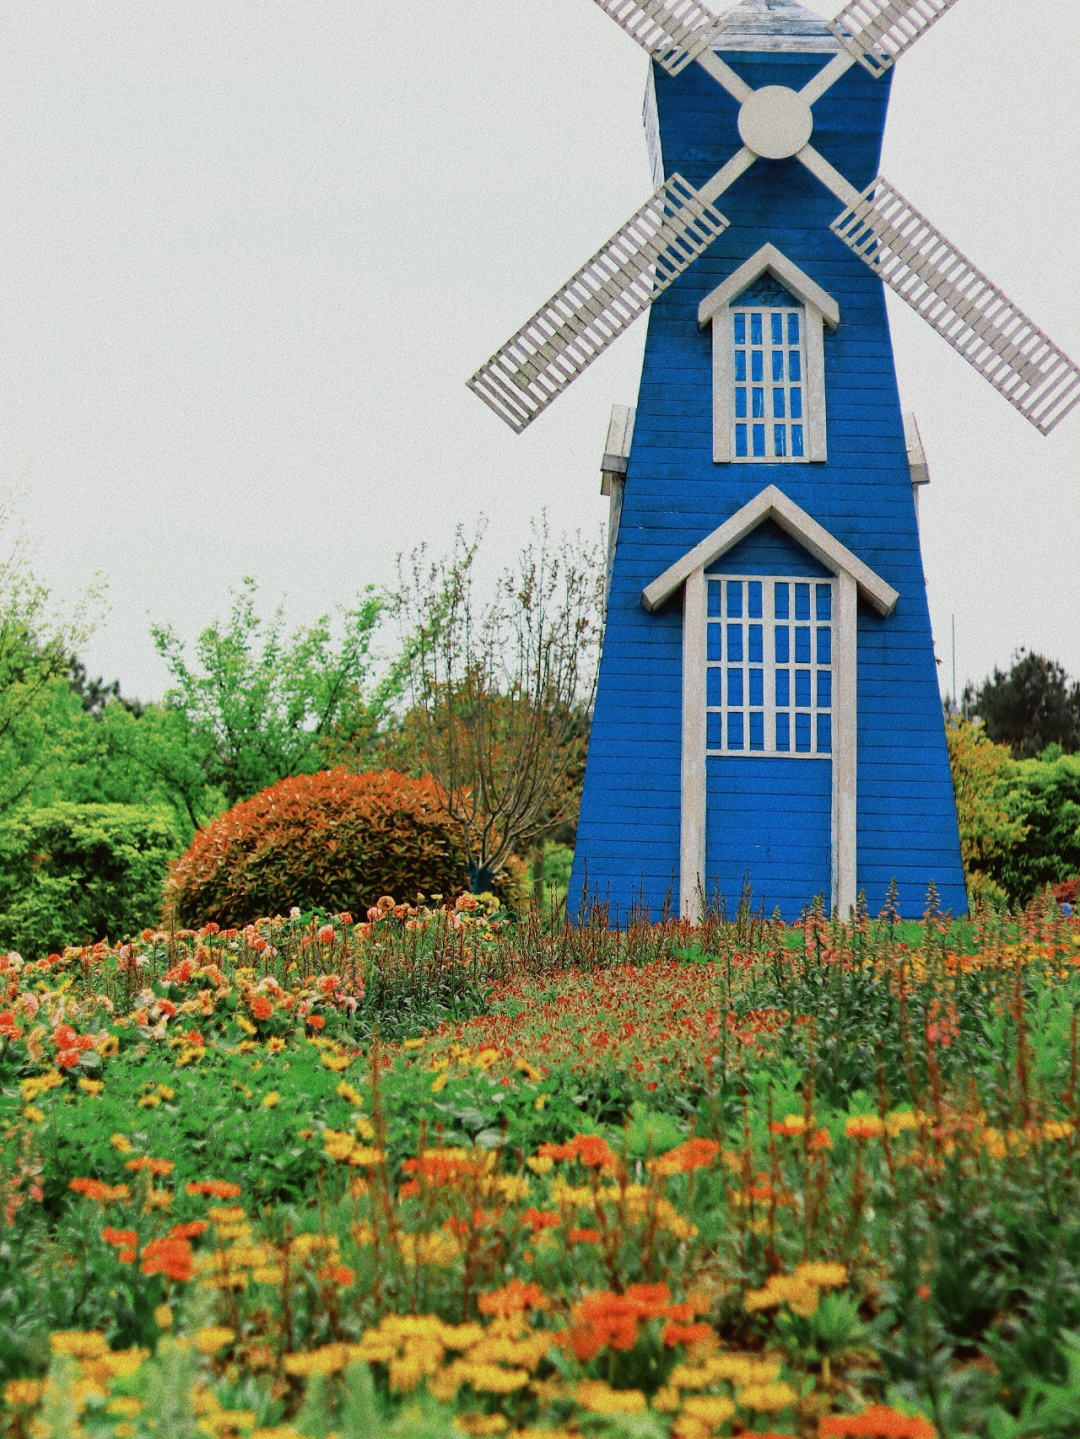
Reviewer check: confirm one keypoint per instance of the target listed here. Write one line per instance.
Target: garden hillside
(434, 1172)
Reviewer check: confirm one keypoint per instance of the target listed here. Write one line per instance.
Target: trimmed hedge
(75, 873)
(332, 840)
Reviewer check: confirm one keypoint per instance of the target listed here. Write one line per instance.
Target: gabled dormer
(768, 320)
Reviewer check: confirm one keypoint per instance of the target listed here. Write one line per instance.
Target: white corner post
(692, 838)
(845, 746)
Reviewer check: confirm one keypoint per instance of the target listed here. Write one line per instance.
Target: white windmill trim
(770, 259)
(773, 504)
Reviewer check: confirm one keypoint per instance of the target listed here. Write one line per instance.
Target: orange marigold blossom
(124, 1237)
(212, 1188)
(156, 1167)
(880, 1421)
(168, 1256)
(95, 1189)
(513, 1298)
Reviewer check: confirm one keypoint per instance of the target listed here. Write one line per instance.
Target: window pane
(755, 328)
(757, 366)
(795, 367)
(759, 442)
(802, 644)
(796, 403)
(734, 599)
(714, 738)
(740, 329)
(715, 596)
(802, 689)
(716, 642)
(783, 644)
(714, 686)
(779, 441)
(759, 404)
(781, 597)
(734, 686)
(740, 365)
(824, 690)
(777, 328)
(824, 734)
(824, 645)
(802, 602)
(777, 365)
(755, 655)
(757, 687)
(823, 600)
(802, 734)
(740, 441)
(793, 329)
(757, 731)
(753, 599)
(796, 440)
(740, 403)
(783, 689)
(783, 733)
(735, 731)
(734, 644)
(778, 404)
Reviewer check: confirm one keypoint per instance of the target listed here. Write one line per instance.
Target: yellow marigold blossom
(690, 1376)
(600, 1398)
(78, 1343)
(667, 1400)
(413, 1044)
(305, 1244)
(461, 1336)
(121, 1143)
(541, 1164)
(91, 1086)
(23, 1391)
(352, 1096)
(1058, 1129)
(270, 1099)
(336, 1062)
(213, 1338)
(149, 1101)
(163, 1316)
(247, 1255)
(438, 1084)
(275, 1044)
(226, 1213)
(267, 1274)
(481, 1424)
(121, 1363)
(491, 1378)
(40, 1084)
(767, 1398)
(864, 1126)
(364, 1127)
(800, 1297)
(242, 1022)
(328, 1360)
(900, 1121)
(823, 1275)
(710, 1408)
(33, 1114)
(124, 1406)
(227, 1419)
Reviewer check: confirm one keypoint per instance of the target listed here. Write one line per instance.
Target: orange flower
(583, 1236)
(157, 1167)
(513, 1298)
(94, 1189)
(168, 1256)
(213, 1188)
(190, 1230)
(124, 1237)
(339, 1274)
(878, 1422)
(260, 1006)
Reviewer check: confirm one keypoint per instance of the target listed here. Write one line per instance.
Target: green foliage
(71, 873)
(259, 707)
(1030, 707)
(1043, 796)
(331, 840)
(989, 830)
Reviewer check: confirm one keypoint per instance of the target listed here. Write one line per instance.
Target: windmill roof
(775, 25)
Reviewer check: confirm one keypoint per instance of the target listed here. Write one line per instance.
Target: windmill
(767, 709)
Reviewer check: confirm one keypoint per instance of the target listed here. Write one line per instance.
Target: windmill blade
(674, 32)
(976, 318)
(877, 32)
(596, 305)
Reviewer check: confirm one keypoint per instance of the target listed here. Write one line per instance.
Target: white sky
(250, 251)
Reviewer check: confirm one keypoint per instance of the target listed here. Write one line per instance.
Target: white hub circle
(775, 122)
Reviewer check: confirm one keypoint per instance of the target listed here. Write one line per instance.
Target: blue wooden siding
(628, 833)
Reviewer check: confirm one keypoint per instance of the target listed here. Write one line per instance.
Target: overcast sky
(253, 249)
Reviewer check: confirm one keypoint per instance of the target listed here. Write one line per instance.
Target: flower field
(439, 1173)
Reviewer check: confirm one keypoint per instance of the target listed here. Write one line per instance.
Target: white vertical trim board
(845, 744)
(692, 838)
(817, 450)
(723, 349)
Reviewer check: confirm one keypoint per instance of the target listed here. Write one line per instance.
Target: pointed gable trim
(773, 504)
(770, 259)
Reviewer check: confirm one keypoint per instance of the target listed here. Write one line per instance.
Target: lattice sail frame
(674, 32)
(655, 246)
(877, 32)
(961, 303)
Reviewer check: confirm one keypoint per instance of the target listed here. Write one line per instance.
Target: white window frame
(819, 310)
(769, 666)
(854, 580)
(768, 386)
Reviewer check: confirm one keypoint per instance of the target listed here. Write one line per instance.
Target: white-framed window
(768, 415)
(768, 323)
(769, 666)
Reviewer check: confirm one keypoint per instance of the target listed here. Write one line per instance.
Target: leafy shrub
(81, 872)
(332, 840)
(1045, 797)
(1067, 892)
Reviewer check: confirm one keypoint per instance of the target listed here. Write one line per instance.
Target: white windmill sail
(674, 32)
(877, 32)
(598, 303)
(976, 318)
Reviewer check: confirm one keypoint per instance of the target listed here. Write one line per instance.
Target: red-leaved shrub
(1067, 892)
(332, 840)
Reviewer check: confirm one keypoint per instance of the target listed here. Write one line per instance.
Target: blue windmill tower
(767, 709)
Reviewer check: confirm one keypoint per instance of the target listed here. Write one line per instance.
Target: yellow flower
(599, 1398)
(327, 1360)
(767, 1398)
(149, 1101)
(212, 1338)
(711, 1408)
(79, 1343)
(269, 1100)
(336, 1062)
(352, 1096)
(124, 1406)
(824, 1276)
(541, 1164)
(437, 1084)
(163, 1316)
(33, 1114)
(120, 1143)
(91, 1086)
(480, 1424)
(23, 1391)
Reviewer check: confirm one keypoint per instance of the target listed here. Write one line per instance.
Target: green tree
(1044, 796)
(1029, 707)
(989, 829)
(501, 691)
(254, 706)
